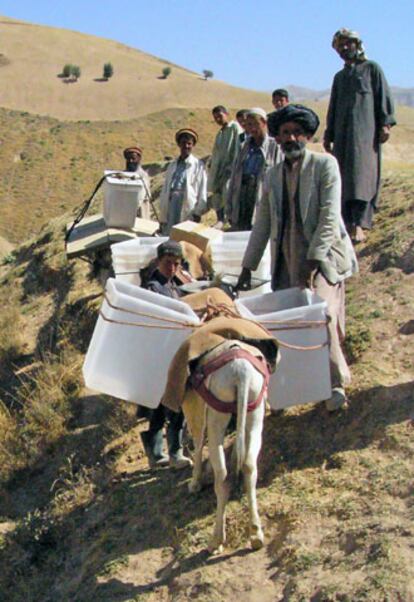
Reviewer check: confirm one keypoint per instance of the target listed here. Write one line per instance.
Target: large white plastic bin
(301, 376)
(127, 359)
(227, 256)
(121, 199)
(129, 257)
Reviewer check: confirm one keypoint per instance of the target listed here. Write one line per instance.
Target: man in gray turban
(300, 214)
(359, 120)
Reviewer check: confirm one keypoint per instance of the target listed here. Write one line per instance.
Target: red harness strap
(202, 372)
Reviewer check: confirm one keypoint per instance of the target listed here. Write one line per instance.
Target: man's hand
(311, 269)
(384, 133)
(244, 282)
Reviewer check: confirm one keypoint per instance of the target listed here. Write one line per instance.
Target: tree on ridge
(166, 72)
(108, 70)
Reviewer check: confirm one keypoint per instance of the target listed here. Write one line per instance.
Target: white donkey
(218, 389)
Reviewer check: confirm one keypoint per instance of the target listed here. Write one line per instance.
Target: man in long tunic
(184, 193)
(360, 116)
(133, 156)
(226, 147)
(300, 213)
(246, 182)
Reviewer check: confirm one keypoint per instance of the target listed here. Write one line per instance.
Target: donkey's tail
(242, 403)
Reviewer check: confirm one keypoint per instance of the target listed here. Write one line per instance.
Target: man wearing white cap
(257, 154)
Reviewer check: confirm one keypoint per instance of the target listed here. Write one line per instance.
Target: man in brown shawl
(360, 116)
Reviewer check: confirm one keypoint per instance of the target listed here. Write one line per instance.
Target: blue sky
(260, 45)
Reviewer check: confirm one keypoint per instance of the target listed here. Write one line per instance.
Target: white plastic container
(135, 337)
(121, 199)
(301, 376)
(227, 256)
(129, 257)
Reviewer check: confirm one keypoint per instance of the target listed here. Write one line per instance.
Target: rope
(146, 315)
(146, 324)
(177, 325)
(87, 204)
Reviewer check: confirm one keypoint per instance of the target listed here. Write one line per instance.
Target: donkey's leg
(216, 428)
(195, 414)
(254, 441)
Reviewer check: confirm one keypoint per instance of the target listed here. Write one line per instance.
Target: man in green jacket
(226, 147)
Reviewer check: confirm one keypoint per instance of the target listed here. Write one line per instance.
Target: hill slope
(29, 77)
(50, 166)
(82, 518)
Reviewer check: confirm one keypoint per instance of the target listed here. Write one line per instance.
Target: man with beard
(300, 213)
(359, 120)
(255, 157)
(133, 156)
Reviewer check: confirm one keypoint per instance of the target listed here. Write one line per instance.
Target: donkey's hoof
(257, 541)
(194, 486)
(214, 549)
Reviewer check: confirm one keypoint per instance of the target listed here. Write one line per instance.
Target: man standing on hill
(360, 116)
(241, 117)
(133, 156)
(256, 155)
(300, 213)
(184, 194)
(226, 147)
(280, 98)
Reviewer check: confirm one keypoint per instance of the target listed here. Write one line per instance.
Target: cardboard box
(196, 234)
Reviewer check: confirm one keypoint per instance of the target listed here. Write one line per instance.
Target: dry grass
(40, 412)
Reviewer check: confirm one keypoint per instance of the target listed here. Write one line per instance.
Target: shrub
(75, 72)
(207, 74)
(108, 70)
(67, 70)
(166, 72)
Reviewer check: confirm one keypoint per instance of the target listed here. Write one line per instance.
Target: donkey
(232, 377)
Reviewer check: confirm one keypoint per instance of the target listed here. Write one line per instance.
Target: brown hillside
(29, 77)
(49, 166)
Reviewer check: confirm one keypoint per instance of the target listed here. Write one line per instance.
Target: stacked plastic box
(129, 257)
(296, 317)
(121, 198)
(227, 252)
(135, 338)
(227, 255)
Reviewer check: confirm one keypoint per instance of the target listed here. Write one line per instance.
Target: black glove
(196, 218)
